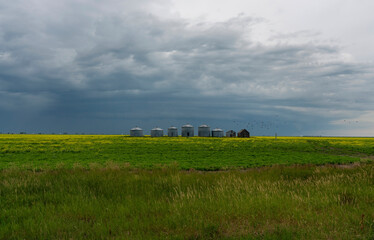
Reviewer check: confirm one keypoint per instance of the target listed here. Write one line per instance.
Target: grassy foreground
(117, 187)
(54, 151)
(116, 202)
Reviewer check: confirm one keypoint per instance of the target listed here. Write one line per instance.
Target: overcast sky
(294, 67)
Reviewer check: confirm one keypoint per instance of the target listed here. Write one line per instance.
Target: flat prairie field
(55, 151)
(118, 187)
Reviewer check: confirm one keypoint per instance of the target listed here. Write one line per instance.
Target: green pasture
(279, 202)
(54, 151)
(118, 187)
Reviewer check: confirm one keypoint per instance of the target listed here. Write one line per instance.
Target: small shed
(243, 133)
(231, 133)
(136, 132)
(217, 132)
(172, 132)
(187, 130)
(157, 132)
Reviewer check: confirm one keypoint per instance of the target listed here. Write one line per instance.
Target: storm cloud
(103, 67)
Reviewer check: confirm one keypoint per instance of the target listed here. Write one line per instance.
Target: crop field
(118, 187)
(51, 151)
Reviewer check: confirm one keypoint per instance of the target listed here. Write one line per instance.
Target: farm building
(157, 132)
(187, 130)
(204, 131)
(243, 133)
(217, 132)
(231, 133)
(136, 132)
(172, 132)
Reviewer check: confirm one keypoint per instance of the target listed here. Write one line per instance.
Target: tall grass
(116, 202)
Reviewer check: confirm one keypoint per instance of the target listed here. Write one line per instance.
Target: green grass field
(51, 151)
(116, 187)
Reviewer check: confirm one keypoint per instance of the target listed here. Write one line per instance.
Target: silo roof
(136, 128)
(187, 125)
(217, 130)
(158, 129)
(204, 126)
(172, 128)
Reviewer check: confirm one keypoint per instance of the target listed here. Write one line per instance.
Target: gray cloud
(103, 67)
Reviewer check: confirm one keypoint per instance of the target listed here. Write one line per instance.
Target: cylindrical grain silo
(204, 131)
(136, 132)
(187, 130)
(217, 132)
(173, 132)
(157, 132)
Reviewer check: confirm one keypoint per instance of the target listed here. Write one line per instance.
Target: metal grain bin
(217, 132)
(136, 132)
(187, 130)
(204, 131)
(173, 132)
(157, 132)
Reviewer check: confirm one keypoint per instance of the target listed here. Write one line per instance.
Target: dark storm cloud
(101, 67)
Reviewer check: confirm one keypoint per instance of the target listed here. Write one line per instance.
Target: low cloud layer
(86, 66)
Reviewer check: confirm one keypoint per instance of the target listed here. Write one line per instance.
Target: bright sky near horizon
(294, 67)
